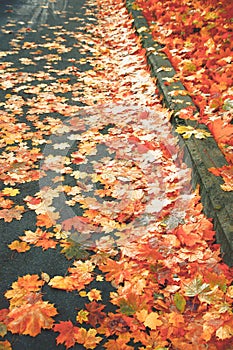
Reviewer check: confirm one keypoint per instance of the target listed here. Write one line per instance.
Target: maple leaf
(13, 213)
(23, 287)
(152, 320)
(66, 283)
(129, 304)
(40, 239)
(195, 287)
(20, 247)
(82, 316)
(225, 332)
(88, 338)
(76, 281)
(94, 294)
(176, 319)
(79, 223)
(188, 131)
(216, 279)
(68, 333)
(116, 270)
(187, 235)
(31, 318)
(72, 249)
(95, 316)
(187, 113)
(47, 219)
(9, 191)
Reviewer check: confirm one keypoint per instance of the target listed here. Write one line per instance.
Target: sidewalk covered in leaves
(103, 242)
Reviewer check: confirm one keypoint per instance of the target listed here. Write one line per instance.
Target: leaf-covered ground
(103, 243)
(198, 38)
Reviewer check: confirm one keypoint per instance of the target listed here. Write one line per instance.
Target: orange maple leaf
(21, 247)
(40, 238)
(116, 270)
(13, 213)
(45, 242)
(188, 235)
(47, 220)
(223, 133)
(94, 294)
(30, 283)
(80, 276)
(66, 283)
(24, 286)
(31, 318)
(67, 334)
(152, 320)
(88, 338)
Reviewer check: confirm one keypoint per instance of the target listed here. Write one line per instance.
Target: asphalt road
(32, 18)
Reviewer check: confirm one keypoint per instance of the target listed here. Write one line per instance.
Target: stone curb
(198, 154)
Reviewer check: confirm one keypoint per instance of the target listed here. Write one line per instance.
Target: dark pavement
(31, 21)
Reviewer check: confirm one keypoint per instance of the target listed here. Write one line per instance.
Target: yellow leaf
(82, 316)
(201, 134)
(188, 131)
(94, 294)
(88, 338)
(207, 332)
(142, 29)
(21, 247)
(142, 315)
(224, 332)
(99, 278)
(152, 320)
(3, 329)
(9, 191)
(230, 291)
(83, 293)
(185, 131)
(45, 277)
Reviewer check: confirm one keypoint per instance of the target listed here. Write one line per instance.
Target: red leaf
(68, 333)
(95, 316)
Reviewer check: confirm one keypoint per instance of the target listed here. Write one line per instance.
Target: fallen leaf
(20, 247)
(9, 191)
(88, 338)
(31, 318)
(68, 333)
(152, 320)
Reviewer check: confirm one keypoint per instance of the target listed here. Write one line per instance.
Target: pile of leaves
(197, 38)
(108, 192)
